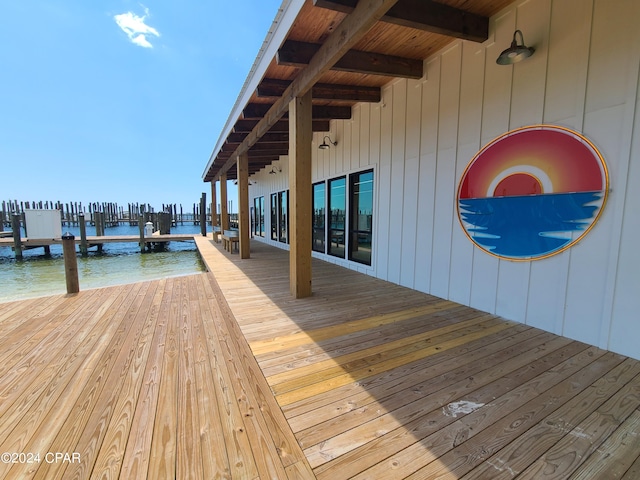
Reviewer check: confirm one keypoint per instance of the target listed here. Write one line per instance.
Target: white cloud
(136, 28)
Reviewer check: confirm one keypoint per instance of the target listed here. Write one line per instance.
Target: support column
(243, 199)
(203, 216)
(214, 204)
(300, 136)
(224, 215)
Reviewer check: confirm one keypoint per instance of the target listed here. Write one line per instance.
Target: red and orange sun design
(534, 161)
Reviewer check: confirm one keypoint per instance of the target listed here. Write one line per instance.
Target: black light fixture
(275, 170)
(324, 145)
(515, 53)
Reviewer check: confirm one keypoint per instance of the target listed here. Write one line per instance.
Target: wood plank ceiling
(396, 46)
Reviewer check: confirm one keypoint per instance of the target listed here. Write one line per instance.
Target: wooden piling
(83, 235)
(110, 214)
(15, 226)
(99, 221)
(70, 263)
(141, 228)
(203, 214)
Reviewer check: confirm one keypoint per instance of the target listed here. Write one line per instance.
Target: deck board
(224, 375)
(365, 381)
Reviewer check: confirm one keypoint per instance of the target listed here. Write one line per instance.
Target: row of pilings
(105, 214)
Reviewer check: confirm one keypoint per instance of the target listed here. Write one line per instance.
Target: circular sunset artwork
(532, 192)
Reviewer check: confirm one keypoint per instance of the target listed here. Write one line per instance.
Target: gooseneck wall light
(324, 145)
(516, 52)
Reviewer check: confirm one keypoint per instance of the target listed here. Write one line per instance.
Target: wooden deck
(363, 380)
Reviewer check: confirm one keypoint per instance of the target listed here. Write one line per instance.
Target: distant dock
(110, 214)
(146, 242)
(26, 235)
(96, 240)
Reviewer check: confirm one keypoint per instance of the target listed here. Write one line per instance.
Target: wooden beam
(299, 54)
(243, 208)
(282, 126)
(270, 87)
(300, 196)
(260, 149)
(270, 137)
(425, 15)
(229, 146)
(269, 147)
(351, 30)
(319, 112)
(263, 159)
(214, 205)
(224, 211)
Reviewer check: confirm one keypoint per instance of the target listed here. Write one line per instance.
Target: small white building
(384, 197)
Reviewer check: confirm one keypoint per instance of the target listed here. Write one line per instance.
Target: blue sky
(120, 101)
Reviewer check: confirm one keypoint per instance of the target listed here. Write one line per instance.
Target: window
(361, 216)
(280, 217)
(283, 214)
(337, 216)
(274, 216)
(261, 214)
(258, 221)
(319, 211)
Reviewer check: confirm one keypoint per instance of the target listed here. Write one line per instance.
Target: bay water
(38, 274)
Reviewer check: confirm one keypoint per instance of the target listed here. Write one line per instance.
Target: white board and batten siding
(585, 76)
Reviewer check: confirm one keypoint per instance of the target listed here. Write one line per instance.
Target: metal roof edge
(287, 13)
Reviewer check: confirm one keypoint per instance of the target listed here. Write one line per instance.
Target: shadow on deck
(224, 375)
(378, 381)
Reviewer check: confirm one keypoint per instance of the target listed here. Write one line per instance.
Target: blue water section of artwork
(528, 226)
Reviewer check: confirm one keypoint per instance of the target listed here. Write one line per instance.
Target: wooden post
(243, 198)
(300, 227)
(203, 214)
(164, 223)
(70, 263)
(15, 226)
(214, 205)
(99, 221)
(83, 234)
(224, 216)
(141, 228)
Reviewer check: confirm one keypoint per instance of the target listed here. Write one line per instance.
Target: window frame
(333, 234)
(354, 225)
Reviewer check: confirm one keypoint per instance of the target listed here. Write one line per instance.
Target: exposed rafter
(425, 15)
(320, 112)
(299, 54)
(270, 137)
(245, 126)
(270, 87)
(346, 34)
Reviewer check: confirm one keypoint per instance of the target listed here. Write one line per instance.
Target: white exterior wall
(584, 75)
(264, 184)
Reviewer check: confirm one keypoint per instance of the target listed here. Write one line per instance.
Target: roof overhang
(345, 51)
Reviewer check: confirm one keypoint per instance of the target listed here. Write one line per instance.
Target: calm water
(38, 274)
(528, 225)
